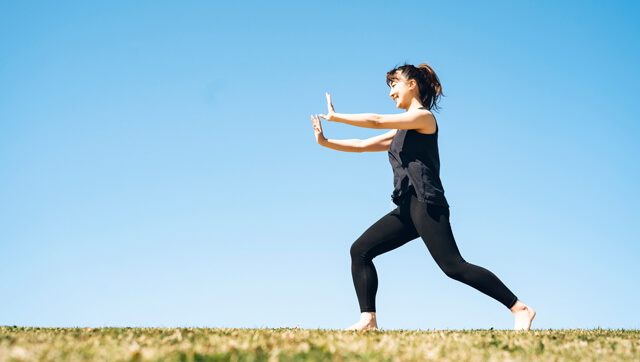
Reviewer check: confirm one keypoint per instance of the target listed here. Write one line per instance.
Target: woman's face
(400, 92)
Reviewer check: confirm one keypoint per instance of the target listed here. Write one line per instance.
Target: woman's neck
(415, 104)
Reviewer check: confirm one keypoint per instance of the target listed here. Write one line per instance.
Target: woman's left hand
(331, 111)
(317, 127)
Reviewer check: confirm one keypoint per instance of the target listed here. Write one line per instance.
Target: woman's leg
(391, 231)
(432, 222)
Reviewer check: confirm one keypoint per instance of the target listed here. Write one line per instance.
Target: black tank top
(416, 165)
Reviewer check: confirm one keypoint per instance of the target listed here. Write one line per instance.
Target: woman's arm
(373, 144)
(420, 120)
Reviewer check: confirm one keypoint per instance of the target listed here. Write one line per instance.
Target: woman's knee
(453, 270)
(358, 251)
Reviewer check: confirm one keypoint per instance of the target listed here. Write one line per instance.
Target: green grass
(202, 344)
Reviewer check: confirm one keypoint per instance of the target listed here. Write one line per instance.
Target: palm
(330, 109)
(330, 104)
(317, 128)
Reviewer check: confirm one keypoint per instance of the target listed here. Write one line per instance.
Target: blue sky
(159, 166)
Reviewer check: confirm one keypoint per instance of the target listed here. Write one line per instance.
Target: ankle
(518, 307)
(368, 316)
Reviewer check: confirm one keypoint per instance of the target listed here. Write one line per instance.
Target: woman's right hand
(317, 127)
(330, 110)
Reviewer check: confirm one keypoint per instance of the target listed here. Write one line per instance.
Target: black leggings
(409, 220)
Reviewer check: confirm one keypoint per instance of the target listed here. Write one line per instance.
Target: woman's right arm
(373, 144)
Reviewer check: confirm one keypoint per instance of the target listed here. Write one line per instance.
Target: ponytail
(429, 85)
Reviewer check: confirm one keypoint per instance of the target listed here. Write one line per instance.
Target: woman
(422, 209)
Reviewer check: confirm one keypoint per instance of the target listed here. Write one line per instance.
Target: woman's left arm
(408, 120)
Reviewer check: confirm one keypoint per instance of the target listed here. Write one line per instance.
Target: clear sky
(159, 168)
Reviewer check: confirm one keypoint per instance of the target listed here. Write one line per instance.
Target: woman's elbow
(363, 146)
(376, 122)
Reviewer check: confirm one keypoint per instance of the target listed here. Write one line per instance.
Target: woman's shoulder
(425, 112)
(430, 119)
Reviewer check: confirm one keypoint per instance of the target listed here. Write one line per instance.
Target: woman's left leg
(432, 223)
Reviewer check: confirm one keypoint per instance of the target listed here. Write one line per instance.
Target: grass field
(201, 344)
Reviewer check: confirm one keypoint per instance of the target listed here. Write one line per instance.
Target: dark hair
(429, 85)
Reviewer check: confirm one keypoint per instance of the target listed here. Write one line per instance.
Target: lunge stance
(422, 210)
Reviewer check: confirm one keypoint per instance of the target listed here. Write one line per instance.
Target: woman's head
(426, 80)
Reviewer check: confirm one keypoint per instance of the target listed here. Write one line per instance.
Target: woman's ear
(412, 84)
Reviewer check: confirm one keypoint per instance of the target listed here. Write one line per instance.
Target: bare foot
(367, 323)
(523, 315)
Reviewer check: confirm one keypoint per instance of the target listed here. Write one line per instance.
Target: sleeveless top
(416, 165)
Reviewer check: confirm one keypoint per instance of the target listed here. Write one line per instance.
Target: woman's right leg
(391, 231)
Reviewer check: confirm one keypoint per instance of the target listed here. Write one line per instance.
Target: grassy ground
(195, 344)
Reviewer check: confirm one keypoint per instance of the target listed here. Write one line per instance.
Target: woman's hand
(331, 111)
(317, 127)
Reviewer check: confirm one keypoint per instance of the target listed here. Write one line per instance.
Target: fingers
(316, 123)
(329, 103)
